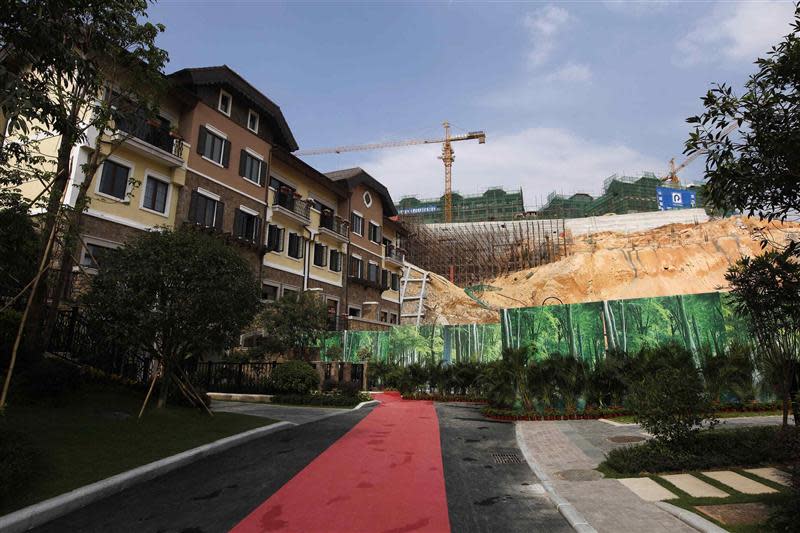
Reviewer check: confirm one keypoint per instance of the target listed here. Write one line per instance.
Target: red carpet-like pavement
(385, 475)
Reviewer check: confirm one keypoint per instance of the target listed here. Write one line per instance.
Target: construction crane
(447, 157)
(672, 175)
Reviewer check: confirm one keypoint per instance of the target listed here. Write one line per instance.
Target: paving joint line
(574, 518)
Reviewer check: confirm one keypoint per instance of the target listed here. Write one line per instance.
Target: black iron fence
(242, 378)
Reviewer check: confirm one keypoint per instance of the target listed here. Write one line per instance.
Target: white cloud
(571, 72)
(735, 32)
(540, 160)
(543, 26)
(636, 7)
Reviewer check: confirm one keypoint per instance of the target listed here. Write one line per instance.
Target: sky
(568, 93)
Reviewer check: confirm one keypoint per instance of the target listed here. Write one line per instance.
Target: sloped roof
(357, 176)
(224, 75)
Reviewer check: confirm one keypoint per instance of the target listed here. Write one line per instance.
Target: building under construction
(621, 195)
(494, 204)
(470, 253)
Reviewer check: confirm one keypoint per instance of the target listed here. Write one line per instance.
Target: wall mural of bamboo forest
(587, 330)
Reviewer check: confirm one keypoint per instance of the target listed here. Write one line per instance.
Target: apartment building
(374, 260)
(307, 235)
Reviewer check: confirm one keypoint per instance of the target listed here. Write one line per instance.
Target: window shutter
(226, 153)
(237, 223)
(262, 174)
(219, 214)
(201, 141)
(193, 207)
(257, 233)
(242, 160)
(378, 233)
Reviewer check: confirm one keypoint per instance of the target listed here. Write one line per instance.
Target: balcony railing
(335, 224)
(154, 135)
(287, 200)
(394, 253)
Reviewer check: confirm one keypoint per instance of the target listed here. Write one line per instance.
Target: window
(252, 121)
(357, 224)
(213, 147)
(367, 199)
(155, 195)
(246, 225)
(275, 183)
(384, 278)
(353, 311)
(395, 282)
(269, 292)
(224, 104)
(392, 318)
(374, 232)
(296, 248)
(290, 293)
(320, 255)
(205, 211)
(252, 168)
(335, 264)
(114, 180)
(275, 238)
(384, 316)
(93, 255)
(374, 272)
(356, 267)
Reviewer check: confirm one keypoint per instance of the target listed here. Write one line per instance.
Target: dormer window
(252, 121)
(224, 103)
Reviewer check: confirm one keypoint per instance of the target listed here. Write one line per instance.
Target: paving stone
(772, 474)
(739, 482)
(737, 514)
(647, 489)
(694, 487)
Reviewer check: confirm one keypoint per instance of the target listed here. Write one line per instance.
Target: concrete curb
(247, 398)
(567, 510)
(42, 512)
(366, 404)
(691, 519)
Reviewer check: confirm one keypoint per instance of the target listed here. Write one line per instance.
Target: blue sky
(567, 92)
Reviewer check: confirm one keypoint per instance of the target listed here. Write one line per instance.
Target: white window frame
(302, 245)
(370, 262)
(250, 113)
(249, 211)
(340, 255)
(284, 243)
(97, 242)
(230, 102)
(325, 255)
(396, 320)
(164, 179)
(211, 196)
(291, 288)
(354, 212)
(260, 158)
(276, 286)
(224, 137)
(128, 187)
(367, 197)
(373, 223)
(360, 311)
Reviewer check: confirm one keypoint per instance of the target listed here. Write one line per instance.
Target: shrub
(177, 397)
(671, 404)
(294, 377)
(329, 385)
(18, 461)
(47, 380)
(321, 400)
(351, 389)
(721, 448)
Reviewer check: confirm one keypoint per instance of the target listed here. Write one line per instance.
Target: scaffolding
(494, 204)
(470, 253)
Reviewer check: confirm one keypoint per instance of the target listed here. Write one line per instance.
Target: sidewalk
(384, 475)
(569, 451)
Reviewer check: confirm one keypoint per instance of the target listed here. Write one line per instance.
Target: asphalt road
(484, 495)
(215, 493)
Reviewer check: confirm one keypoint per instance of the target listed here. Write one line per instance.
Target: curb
(366, 404)
(47, 510)
(567, 510)
(247, 398)
(691, 519)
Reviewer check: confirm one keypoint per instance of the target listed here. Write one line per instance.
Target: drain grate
(506, 458)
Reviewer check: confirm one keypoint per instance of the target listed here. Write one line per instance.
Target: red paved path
(385, 475)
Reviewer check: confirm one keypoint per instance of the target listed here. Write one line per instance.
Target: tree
(58, 61)
(294, 323)
(174, 295)
(756, 168)
(766, 289)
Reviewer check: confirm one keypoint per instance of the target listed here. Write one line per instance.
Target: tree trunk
(573, 347)
(609, 326)
(163, 389)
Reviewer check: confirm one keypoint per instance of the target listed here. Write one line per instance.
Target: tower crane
(447, 157)
(672, 175)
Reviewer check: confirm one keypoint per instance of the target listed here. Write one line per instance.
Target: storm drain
(506, 458)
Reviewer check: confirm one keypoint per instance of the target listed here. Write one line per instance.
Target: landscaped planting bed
(436, 397)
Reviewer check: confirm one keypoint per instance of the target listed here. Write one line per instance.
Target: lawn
(629, 419)
(95, 434)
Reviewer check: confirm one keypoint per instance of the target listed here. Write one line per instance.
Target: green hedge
(321, 400)
(718, 448)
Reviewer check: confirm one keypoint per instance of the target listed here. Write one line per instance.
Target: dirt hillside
(673, 259)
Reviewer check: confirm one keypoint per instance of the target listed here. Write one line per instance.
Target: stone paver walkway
(605, 503)
(772, 474)
(647, 489)
(738, 482)
(696, 488)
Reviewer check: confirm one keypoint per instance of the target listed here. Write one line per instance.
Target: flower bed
(436, 397)
(550, 414)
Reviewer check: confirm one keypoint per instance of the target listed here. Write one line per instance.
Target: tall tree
(294, 324)
(174, 295)
(66, 67)
(755, 169)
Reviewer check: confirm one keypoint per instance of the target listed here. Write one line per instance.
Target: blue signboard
(675, 198)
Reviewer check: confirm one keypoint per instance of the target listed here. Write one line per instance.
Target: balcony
(334, 226)
(365, 282)
(287, 202)
(151, 138)
(393, 254)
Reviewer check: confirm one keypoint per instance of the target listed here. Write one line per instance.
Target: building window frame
(300, 246)
(281, 238)
(211, 135)
(333, 252)
(259, 166)
(358, 229)
(374, 236)
(86, 261)
(356, 259)
(377, 270)
(275, 286)
(124, 163)
(395, 282)
(290, 289)
(250, 114)
(350, 309)
(246, 224)
(223, 92)
(367, 197)
(150, 175)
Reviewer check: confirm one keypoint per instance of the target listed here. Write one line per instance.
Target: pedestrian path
(384, 475)
(697, 488)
